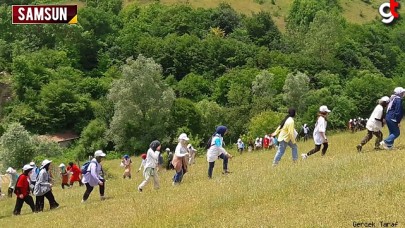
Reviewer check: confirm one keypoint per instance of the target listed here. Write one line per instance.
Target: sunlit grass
(330, 191)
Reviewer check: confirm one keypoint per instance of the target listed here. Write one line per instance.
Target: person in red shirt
(22, 190)
(76, 173)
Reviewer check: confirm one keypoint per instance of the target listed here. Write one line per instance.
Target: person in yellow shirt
(286, 137)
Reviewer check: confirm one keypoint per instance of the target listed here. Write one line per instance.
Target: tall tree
(142, 104)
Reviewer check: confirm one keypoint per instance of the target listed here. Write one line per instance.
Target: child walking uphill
(64, 175)
(286, 137)
(216, 151)
(93, 176)
(150, 168)
(375, 124)
(319, 133)
(22, 190)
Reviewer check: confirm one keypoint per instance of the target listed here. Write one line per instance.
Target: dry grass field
(332, 191)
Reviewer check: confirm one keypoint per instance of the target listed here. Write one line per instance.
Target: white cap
(167, 149)
(324, 108)
(99, 153)
(45, 162)
(61, 165)
(10, 170)
(27, 167)
(384, 98)
(183, 136)
(32, 163)
(399, 90)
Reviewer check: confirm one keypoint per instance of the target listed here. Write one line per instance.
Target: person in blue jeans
(180, 159)
(286, 137)
(393, 117)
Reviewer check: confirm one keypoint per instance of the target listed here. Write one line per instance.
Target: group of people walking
(37, 181)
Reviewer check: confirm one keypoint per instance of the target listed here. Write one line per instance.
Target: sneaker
(382, 143)
(304, 156)
(55, 206)
(102, 198)
(226, 172)
(359, 147)
(139, 189)
(83, 201)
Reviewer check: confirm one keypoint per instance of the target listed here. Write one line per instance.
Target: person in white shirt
(143, 162)
(180, 159)
(319, 133)
(375, 124)
(216, 151)
(33, 175)
(241, 146)
(150, 168)
(93, 177)
(13, 180)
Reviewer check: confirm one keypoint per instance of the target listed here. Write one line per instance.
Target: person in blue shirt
(393, 117)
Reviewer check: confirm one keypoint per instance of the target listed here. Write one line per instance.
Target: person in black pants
(22, 190)
(93, 176)
(43, 188)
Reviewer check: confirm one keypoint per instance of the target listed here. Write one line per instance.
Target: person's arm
(140, 167)
(154, 154)
(93, 172)
(276, 132)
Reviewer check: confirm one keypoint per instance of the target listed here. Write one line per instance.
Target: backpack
(208, 144)
(85, 167)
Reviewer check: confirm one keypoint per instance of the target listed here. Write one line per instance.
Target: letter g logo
(387, 17)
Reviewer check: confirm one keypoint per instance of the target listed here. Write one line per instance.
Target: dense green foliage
(122, 77)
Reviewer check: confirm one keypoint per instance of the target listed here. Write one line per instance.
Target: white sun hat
(324, 108)
(183, 136)
(27, 167)
(99, 153)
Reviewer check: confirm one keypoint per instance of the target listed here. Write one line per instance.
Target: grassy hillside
(355, 11)
(332, 191)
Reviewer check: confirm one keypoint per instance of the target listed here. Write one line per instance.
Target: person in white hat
(320, 132)
(393, 117)
(150, 166)
(22, 190)
(64, 175)
(33, 175)
(375, 124)
(43, 188)
(13, 180)
(180, 159)
(93, 176)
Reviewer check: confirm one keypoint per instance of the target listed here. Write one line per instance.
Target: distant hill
(355, 11)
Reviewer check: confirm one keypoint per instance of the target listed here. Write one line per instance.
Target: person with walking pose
(320, 133)
(22, 191)
(43, 188)
(93, 176)
(151, 163)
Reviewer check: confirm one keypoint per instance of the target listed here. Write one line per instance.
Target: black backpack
(208, 144)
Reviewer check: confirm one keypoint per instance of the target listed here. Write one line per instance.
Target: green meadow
(332, 191)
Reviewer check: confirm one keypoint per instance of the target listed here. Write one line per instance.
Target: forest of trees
(123, 77)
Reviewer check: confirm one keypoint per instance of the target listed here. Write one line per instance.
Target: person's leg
(18, 205)
(30, 201)
(294, 150)
(225, 159)
(178, 176)
(39, 204)
(156, 179)
(315, 150)
(280, 152)
(86, 194)
(80, 183)
(365, 140)
(325, 148)
(101, 189)
(210, 168)
(379, 138)
(51, 198)
(394, 133)
(10, 192)
(146, 175)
